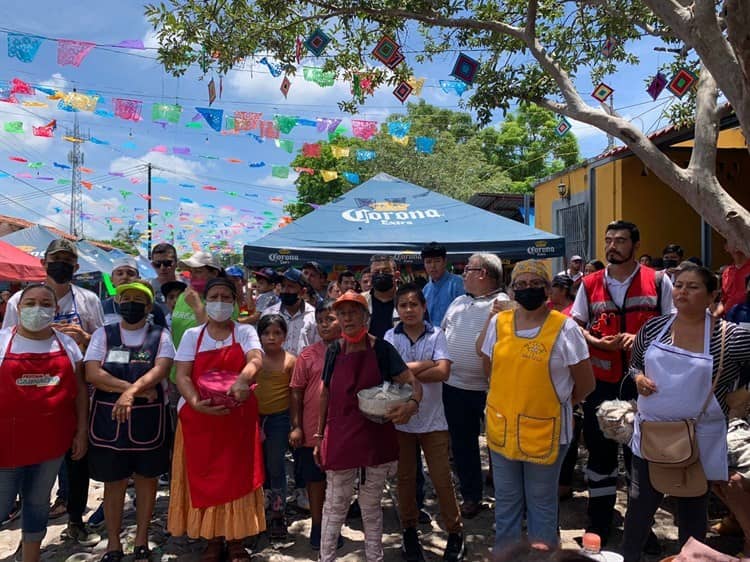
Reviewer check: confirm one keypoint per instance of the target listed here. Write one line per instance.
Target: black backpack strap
(330, 360)
(381, 353)
(112, 332)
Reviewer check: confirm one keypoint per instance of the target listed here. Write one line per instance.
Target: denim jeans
(464, 411)
(519, 483)
(34, 482)
(276, 429)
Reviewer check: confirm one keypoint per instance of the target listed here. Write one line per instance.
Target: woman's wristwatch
(412, 399)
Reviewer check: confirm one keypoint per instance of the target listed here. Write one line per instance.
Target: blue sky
(247, 202)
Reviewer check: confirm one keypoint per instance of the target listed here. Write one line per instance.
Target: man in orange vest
(611, 306)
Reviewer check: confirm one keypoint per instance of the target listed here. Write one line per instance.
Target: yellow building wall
(544, 196)
(662, 216)
(606, 201)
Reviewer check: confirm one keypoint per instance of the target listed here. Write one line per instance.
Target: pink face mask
(356, 338)
(199, 285)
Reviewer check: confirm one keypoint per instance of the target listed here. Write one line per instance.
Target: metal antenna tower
(75, 159)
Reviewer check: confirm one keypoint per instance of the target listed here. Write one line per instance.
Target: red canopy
(17, 265)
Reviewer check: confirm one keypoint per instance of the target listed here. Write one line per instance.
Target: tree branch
(437, 20)
(700, 30)
(531, 13)
(703, 156)
(737, 21)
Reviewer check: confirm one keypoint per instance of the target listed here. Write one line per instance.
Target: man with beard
(612, 305)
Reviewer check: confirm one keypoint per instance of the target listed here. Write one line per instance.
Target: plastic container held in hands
(376, 402)
(214, 384)
(592, 544)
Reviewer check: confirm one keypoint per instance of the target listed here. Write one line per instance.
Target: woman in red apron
(217, 470)
(352, 444)
(126, 363)
(43, 410)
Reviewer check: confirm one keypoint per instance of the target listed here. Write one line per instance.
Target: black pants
(78, 487)
(602, 466)
(571, 457)
(644, 500)
(464, 411)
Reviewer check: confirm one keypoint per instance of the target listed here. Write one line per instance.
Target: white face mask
(219, 311)
(36, 318)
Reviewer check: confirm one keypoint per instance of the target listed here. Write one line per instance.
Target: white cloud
(584, 131)
(166, 165)
(259, 85)
(57, 80)
(271, 181)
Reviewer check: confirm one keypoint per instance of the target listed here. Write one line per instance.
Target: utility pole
(610, 138)
(148, 214)
(75, 159)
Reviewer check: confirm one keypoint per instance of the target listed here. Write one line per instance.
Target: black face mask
(382, 282)
(531, 298)
(669, 264)
(289, 299)
(132, 312)
(60, 271)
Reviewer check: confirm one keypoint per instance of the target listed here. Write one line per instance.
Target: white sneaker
(301, 499)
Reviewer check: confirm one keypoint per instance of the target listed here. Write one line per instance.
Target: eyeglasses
(163, 263)
(536, 284)
(468, 269)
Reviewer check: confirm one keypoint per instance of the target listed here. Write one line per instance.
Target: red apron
(223, 454)
(351, 440)
(37, 406)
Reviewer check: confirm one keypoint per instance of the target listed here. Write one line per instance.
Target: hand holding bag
(671, 448)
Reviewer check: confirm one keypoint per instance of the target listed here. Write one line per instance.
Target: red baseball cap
(351, 296)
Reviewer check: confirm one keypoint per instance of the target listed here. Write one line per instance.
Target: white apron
(683, 380)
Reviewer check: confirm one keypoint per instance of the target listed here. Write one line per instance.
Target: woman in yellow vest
(538, 364)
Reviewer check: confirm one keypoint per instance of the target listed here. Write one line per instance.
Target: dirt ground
(478, 531)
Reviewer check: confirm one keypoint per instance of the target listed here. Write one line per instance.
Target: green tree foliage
(527, 146)
(531, 51)
(458, 167)
(126, 239)
(126, 247)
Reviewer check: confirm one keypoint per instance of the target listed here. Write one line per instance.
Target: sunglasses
(163, 263)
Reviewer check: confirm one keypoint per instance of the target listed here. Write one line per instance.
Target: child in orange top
(273, 393)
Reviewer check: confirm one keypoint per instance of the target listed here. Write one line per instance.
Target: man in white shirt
(299, 315)
(612, 305)
(465, 391)
(574, 271)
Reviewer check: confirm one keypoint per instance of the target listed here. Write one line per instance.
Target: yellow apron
(524, 412)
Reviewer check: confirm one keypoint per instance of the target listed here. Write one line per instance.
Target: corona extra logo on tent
(392, 211)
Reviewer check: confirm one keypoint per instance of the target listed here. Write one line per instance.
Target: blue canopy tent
(386, 215)
(35, 239)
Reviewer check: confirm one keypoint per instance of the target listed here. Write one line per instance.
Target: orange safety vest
(642, 302)
(524, 412)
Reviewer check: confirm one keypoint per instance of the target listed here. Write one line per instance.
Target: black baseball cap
(434, 250)
(267, 273)
(562, 280)
(170, 286)
(316, 266)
